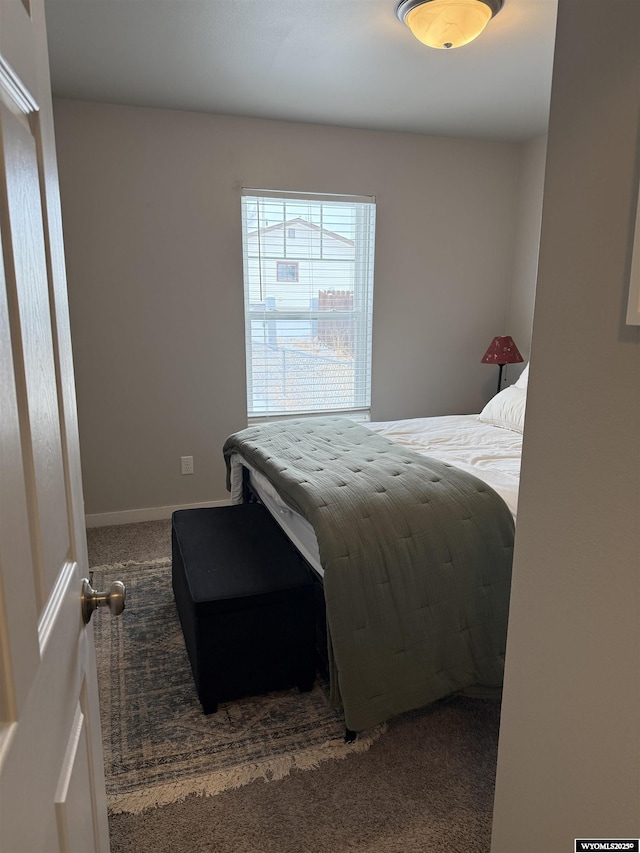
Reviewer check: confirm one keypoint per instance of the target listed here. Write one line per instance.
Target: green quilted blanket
(416, 556)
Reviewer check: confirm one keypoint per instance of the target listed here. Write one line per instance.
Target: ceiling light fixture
(447, 23)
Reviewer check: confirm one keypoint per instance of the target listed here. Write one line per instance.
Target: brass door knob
(91, 598)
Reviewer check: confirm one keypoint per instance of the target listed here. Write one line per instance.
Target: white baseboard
(131, 516)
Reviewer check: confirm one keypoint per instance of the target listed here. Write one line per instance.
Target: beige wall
(569, 754)
(526, 247)
(151, 210)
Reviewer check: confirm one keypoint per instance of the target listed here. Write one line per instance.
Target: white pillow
(523, 379)
(506, 409)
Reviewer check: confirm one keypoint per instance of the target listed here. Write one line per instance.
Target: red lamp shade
(502, 350)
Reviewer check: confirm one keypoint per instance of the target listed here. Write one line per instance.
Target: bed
(409, 525)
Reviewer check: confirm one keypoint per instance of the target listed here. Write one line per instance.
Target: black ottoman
(245, 599)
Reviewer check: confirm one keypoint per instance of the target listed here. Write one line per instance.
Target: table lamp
(501, 351)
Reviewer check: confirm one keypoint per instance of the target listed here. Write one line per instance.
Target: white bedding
(490, 453)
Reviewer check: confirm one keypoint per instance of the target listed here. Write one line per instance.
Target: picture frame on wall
(633, 306)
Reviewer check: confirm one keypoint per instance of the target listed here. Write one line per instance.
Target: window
(286, 271)
(307, 317)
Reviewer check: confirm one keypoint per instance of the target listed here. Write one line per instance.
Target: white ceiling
(341, 62)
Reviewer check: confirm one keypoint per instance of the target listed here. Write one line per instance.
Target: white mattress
(490, 453)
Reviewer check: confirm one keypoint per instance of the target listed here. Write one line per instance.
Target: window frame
(270, 309)
(288, 280)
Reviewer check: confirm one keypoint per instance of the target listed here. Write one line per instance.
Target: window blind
(308, 296)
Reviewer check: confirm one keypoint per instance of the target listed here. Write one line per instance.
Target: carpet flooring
(425, 785)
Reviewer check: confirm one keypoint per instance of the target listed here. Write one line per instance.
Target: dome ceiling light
(447, 23)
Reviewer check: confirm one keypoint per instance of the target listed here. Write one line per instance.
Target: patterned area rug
(159, 747)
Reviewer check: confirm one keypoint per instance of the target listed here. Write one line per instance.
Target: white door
(52, 794)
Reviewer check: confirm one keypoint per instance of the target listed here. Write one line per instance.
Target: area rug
(158, 745)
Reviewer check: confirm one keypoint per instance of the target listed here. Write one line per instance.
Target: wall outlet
(186, 464)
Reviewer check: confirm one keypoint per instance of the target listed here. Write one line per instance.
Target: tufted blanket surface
(416, 556)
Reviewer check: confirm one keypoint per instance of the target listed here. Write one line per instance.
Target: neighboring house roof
(299, 221)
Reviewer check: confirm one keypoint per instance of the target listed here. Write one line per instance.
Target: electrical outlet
(186, 464)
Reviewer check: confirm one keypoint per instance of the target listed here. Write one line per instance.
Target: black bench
(245, 599)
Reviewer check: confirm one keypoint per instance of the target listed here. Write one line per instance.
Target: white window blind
(308, 295)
